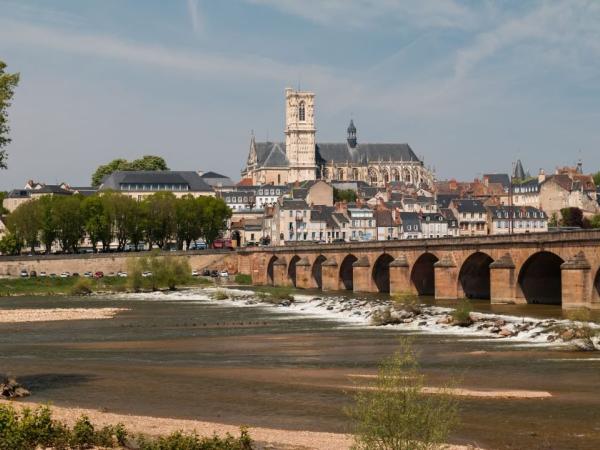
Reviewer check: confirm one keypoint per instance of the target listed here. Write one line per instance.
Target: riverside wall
(11, 266)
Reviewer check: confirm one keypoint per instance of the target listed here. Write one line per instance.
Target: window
(278, 192)
(260, 192)
(245, 199)
(301, 112)
(291, 213)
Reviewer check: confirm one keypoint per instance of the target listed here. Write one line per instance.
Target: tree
(595, 221)
(8, 83)
(9, 245)
(147, 162)
(395, 414)
(161, 225)
(3, 210)
(70, 222)
(215, 213)
(188, 212)
(97, 221)
(597, 178)
(24, 222)
(47, 221)
(346, 195)
(571, 217)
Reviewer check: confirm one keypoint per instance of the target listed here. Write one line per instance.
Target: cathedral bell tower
(300, 145)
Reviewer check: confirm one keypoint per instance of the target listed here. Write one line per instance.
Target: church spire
(351, 134)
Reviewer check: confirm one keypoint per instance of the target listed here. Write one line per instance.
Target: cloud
(365, 13)
(195, 15)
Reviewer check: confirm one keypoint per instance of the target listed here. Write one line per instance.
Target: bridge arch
(597, 283)
(422, 275)
(292, 269)
(381, 272)
(317, 271)
(270, 271)
(347, 272)
(474, 276)
(540, 278)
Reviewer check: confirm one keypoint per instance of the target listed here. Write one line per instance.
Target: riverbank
(266, 438)
(53, 286)
(54, 314)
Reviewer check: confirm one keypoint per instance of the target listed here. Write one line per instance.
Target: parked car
(24, 273)
(43, 274)
(147, 274)
(214, 273)
(223, 273)
(195, 273)
(206, 273)
(52, 275)
(251, 244)
(33, 274)
(223, 244)
(88, 274)
(75, 274)
(122, 274)
(99, 274)
(65, 274)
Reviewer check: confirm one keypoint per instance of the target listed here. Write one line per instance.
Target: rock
(473, 317)
(567, 335)
(499, 323)
(10, 388)
(444, 320)
(551, 338)
(506, 332)
(408, 320)
(329, 308)
(423, 323)
(288, 303)
(495, 330)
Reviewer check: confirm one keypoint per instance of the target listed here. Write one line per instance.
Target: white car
(223, 273)
(88, 275)
(146, 274)
(195, 273)
(65, 275)
(43, 274)
(122, 274)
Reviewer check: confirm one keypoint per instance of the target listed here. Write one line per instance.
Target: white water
(357, 313)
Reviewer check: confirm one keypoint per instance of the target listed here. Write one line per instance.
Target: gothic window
(301, 112)
(386, 176)
(373, 175)
(395, 175)
(355, 174)
(340, 174)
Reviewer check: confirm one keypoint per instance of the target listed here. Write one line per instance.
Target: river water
(182, 356)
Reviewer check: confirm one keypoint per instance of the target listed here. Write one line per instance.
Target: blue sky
(470, 85)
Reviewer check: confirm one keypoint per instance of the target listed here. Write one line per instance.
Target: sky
(470, 85)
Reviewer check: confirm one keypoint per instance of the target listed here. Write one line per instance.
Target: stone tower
(300, 135)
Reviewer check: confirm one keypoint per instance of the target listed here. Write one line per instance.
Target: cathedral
(301, 158)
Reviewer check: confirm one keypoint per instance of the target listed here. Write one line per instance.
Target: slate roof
(449, 216)
(500, 178)
(212, 175)
(518, 212)
(192, 179)
(410, 218)
(341, 217)
(51, 189)
(19, 193)
(294, 204)
(321, 213)
(272, 154)
(443, 200)
(469, 205)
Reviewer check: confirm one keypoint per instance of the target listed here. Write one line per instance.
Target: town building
(301, 158)
(434, 225)
(471, 215)
(362, 223)
(516, 220)
(142, 183)
(386, 227)
(410, 226)
(568, 188)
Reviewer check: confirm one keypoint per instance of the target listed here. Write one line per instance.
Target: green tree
(147, 162)
(70, 222)
(161, 223)
(597, 178)
(136, 225)
(571, 217)
(47, 222)
(395, 413)
(25, 223)
(97, 220)
(595, 221)
(215, 213)
(188, 213)
(9, 245)
(123, 213)
(3, 210)
(346, 195)
(8, 83)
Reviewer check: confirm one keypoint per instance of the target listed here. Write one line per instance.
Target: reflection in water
(189, 358)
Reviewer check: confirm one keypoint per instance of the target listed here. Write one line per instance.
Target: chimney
(541, 176)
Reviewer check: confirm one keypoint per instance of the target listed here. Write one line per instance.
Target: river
(180, 355)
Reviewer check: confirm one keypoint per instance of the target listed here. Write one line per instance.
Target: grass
(220, 294)
(44, 286)
(242, 278)
(462, 314)
(274, 294)
(37, 428)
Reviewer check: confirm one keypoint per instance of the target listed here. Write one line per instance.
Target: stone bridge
(550, 268)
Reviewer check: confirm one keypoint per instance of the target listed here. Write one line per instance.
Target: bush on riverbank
(242, 278)
(31, 429)
(407, 301)
(274, 294)
(394, 413)
(462, 314)
(82, 286)
(161, 272)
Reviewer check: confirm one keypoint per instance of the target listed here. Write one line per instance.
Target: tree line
(111, 217)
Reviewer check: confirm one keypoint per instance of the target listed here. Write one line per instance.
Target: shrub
(384, 317)
(396, 414)
(242, 278)
(220, 294)
(462, 314)
(407, 301)
(82, 286)
(167, 271)
(83, 433)
(191, 441)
